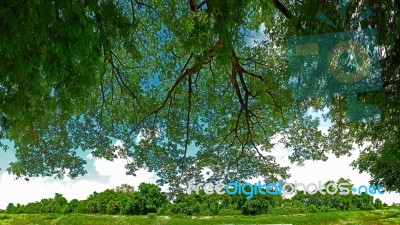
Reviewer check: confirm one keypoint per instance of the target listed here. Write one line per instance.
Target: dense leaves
(185, 85)
(148, 200)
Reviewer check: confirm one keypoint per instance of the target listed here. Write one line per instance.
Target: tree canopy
(184, 85)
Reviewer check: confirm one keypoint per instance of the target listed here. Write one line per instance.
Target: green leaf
(398, 23)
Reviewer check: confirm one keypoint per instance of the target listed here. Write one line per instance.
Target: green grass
(377, 217)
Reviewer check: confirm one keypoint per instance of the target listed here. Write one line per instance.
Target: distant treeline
(148, 198)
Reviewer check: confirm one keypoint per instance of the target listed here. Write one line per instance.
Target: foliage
(253, 207)
(378, 204)
(229, 212)
(382, 217)
(184, 85)
(149, 200)
(151, 215)
(12, 209)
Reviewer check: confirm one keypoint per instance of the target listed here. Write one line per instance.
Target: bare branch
(188, 113)
(277, 105)
(120, 79)
(104, 103)
(202, 4)
(133, 12)
(184, 72)
(194, 7)
(283, 9)
(252, 74)
(144, 4)
(37, 140)
(398, 4)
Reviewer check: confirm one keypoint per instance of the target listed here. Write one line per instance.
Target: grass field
(391, 216)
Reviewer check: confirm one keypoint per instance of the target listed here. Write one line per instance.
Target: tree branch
(184, 72)
(283, 9)
(202, 4)
(119, 78)
(133, 12)
(144, 4)
(398, 4)
(194, 7)
(37, 140)
(188, 113)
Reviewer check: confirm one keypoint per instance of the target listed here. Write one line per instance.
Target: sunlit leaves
(184, 85)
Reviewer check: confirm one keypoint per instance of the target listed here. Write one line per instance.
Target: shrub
(327, 209)
(378, 204)
(165, 210)
(312, 208)
(205, 212)
(151, 216)
(229, 212)
(253, 207)
(112, 208)
(288, 210)
(4, 217)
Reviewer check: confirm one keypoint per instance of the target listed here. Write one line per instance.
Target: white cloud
(111, 174)
(21, 191)
(116, 173)
(332, 169)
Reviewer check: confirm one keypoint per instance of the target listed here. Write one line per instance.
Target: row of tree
(149, 199)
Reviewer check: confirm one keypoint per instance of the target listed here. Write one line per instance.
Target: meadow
(375, 217)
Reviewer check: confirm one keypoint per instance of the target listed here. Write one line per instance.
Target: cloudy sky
(104, 174)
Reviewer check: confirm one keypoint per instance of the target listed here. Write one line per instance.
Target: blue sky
(103, 174)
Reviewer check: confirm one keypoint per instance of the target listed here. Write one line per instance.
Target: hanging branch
(185, 72)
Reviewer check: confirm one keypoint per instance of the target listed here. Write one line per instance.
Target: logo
(280, 188)
(322, 66)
